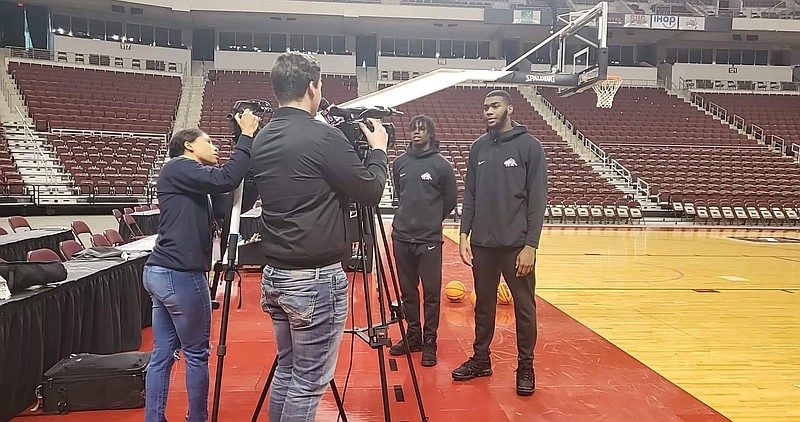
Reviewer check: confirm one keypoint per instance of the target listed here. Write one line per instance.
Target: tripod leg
(400, 324)
(338, 400)
(265, 390)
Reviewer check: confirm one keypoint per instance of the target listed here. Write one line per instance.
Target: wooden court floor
(713, 313)
(634, 325)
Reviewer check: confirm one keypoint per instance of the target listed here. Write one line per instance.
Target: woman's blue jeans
(181, 320)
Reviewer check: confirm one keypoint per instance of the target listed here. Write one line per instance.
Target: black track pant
(417, 261)
(487, 265)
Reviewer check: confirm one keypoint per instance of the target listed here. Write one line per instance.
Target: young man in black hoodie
(504, 202)
(426, 188)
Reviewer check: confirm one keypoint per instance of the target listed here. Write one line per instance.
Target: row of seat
(704, 159)
(52, 92)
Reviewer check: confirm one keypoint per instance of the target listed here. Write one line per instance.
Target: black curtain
(12, 25)
(203, 44)
(38, 25)
(366, 50)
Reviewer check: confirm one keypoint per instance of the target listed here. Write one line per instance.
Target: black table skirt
(100, 312)
(18, 250)
(148, 224)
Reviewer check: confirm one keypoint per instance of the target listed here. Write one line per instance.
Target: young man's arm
(536, 186)
(448, 188)
(468, 210)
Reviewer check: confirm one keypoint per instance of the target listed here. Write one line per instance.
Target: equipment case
(95, 382)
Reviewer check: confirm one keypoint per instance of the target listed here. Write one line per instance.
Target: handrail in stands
(775, 142)
(41, 158)
(641, 185)
(796, 151)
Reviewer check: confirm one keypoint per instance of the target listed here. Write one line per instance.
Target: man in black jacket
(306, 172)
(504, 202)
(426, 188)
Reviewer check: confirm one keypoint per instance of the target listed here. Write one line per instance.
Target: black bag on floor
(95, 382)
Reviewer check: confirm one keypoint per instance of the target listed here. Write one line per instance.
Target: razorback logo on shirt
(426, 176)
(510, 163)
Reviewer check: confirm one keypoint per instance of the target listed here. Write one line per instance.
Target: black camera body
(258, 107)
(347, 119)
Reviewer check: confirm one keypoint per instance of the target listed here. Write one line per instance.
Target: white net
(605, 91)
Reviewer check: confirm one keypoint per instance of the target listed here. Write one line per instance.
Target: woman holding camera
(175, 273)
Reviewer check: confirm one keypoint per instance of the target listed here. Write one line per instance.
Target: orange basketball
(504, 294)
(455, 291)
(473, 298)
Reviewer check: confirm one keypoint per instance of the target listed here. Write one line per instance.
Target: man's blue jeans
(308, 309)
(181, 320)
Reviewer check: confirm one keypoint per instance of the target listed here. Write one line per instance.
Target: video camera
(347, 119)
(258, 107)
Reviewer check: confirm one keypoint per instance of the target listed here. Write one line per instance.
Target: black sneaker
(429, 353)
(472, 368)
(526, 381)
(399, 349)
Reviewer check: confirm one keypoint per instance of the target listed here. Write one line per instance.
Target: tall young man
(426, 189)
(504, 202)
(306, 172)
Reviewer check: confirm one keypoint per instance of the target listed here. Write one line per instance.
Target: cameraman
(175, 272)
(307, 172)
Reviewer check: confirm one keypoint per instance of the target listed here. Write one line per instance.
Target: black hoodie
(506, 190)
(426, 187)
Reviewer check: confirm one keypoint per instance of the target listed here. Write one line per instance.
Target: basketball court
(643, 323)
(634, 324)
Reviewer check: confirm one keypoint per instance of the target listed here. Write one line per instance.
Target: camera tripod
(377, 335)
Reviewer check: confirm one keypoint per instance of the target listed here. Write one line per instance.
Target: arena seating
(107, 165)
(114, 101)
(644, 116)
(777, 114)
(685, 155)
(224, 88)
(574, 188)
(10, 180)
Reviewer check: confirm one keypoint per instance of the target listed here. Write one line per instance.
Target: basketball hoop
(606, 89)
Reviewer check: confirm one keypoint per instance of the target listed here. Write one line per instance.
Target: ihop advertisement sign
(664, 22)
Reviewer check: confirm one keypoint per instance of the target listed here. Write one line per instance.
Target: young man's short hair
(502, 94)
(291, 73)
